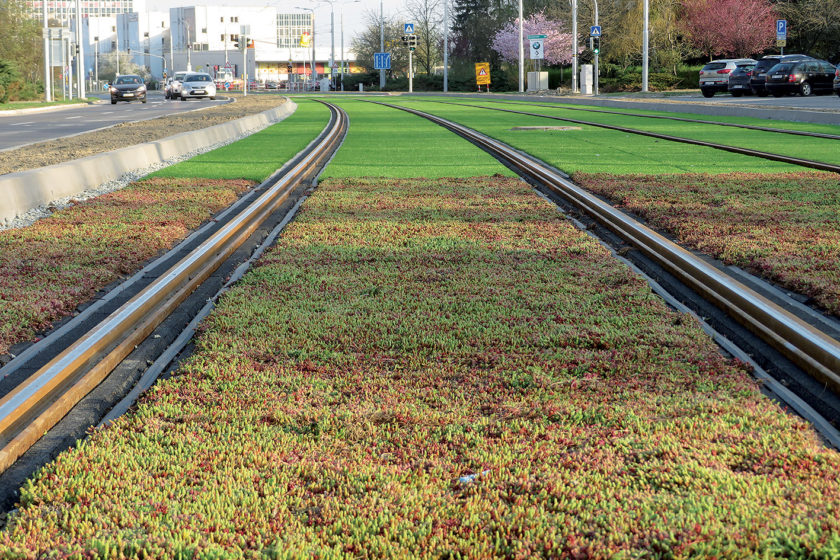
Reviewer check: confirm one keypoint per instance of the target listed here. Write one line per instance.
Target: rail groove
(820, 165)
(40, 402)
(812, 350)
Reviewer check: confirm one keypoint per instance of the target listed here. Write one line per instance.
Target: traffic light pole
(598, 53)
(410, 71)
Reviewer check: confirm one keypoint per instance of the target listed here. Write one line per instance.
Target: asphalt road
(814, 102)
(20, 130)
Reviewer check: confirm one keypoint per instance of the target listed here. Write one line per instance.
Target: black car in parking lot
(804, 77)
(739, 79)
(762, 66)
(837, 80)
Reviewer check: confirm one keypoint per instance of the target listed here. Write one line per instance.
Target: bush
(10, 80)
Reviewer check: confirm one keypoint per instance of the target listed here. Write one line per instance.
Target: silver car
(197, 84)
(173, 85)
(714, 76)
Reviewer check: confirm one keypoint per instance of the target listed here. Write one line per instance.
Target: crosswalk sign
(482, 73)
(595, 31)
(408, 28)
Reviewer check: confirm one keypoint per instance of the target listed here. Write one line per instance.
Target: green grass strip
(819, 149)
(384, 142)
(259, 155)
(597, 150)
(752, 121)
(441, 369)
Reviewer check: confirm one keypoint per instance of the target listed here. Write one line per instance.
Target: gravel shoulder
(61, 150)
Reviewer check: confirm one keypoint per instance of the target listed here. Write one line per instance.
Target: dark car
(128, 87)
(272, 85)
(837, 80)
(759, 73)
(804, 77)
(739, 80)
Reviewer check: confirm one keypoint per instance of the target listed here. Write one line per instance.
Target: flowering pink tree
(557, 45)
(730, 27)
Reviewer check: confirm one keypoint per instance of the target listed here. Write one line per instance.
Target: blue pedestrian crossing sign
(408, 28)
(382, 61)
(595, 31)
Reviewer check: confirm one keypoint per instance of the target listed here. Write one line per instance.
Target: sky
(354, 12)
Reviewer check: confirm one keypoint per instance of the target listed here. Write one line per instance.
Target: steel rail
(670, 118)
(808, 347)
(820, 165)
(40, 402)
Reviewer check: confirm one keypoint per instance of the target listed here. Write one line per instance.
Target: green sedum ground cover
(783, 227)
(390, 143)
(597, 150)
(259, 155)
(50, 267)
(441, 369)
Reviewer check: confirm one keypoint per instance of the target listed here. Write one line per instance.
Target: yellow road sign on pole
(482, 73)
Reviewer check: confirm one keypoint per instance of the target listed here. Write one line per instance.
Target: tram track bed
(433, 368)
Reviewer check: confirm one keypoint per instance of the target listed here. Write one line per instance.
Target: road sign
(482, 73)
(408, 28)
(781, 29)
(382, 61)
(537, 51)
(595, 31)
(781, 42)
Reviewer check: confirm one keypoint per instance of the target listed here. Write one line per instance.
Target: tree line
(681, 32)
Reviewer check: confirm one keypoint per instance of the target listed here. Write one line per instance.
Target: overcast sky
(353, 12)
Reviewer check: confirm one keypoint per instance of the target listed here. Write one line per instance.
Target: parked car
(766, 63)
(837, 80)
(173, 85)
(739, 79)
(804, 77)
(128, 87)
(197, 84)
(272, 85)
(714, 76)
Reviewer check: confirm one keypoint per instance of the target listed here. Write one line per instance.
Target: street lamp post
(645, 46)
(574, 48)
(311, 70)
(96, 61)
(596, 54)
(445, 46)
(47, 47)
(521, 51)
(80, 52)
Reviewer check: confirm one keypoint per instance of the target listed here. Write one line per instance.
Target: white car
(714, 76)
(173, 85)
(197, 84)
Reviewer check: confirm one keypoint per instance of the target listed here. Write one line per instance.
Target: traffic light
(405, 39)
(596, 45)
(236, 45)
(289, 68)
(412, 42)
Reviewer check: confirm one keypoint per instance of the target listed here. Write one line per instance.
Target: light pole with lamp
(521, 52)
(312, 70)
(332, 35)
(645, 46)
(381, 44)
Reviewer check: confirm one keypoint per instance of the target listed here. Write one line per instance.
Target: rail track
(671, 118)
(42, 399)
(819, 165)
(805, 345)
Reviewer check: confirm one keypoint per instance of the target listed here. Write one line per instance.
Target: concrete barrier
(25, 190)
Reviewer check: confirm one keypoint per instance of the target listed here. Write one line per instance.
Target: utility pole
(47, 46)
(445, 46)
(381, 44)
(342, 50)
(575, 48)
(521, 52)
(645, 47)
(597, 54)
(244, 31)
(96, 62)
(80, 51)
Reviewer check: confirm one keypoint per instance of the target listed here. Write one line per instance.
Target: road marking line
(76, 117)
(22, 123)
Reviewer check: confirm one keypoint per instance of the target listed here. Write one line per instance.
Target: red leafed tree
(730, 27)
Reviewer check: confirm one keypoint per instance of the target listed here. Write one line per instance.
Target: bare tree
(427, 16)
(366, 43)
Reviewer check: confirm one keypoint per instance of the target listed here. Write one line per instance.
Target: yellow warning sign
(482, 73)
(305, 39)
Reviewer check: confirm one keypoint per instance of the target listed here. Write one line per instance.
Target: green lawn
(259, 155)
(819, 149)
(14, 105)
(385, 142)
(597, 150)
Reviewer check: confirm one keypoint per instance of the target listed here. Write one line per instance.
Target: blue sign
(781, 29)
(408, 28)
(595, 31)
(382, 61)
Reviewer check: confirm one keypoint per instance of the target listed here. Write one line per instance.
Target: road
(20, 130)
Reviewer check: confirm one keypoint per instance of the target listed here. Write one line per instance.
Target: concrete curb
(50, 109)
(25, 190)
